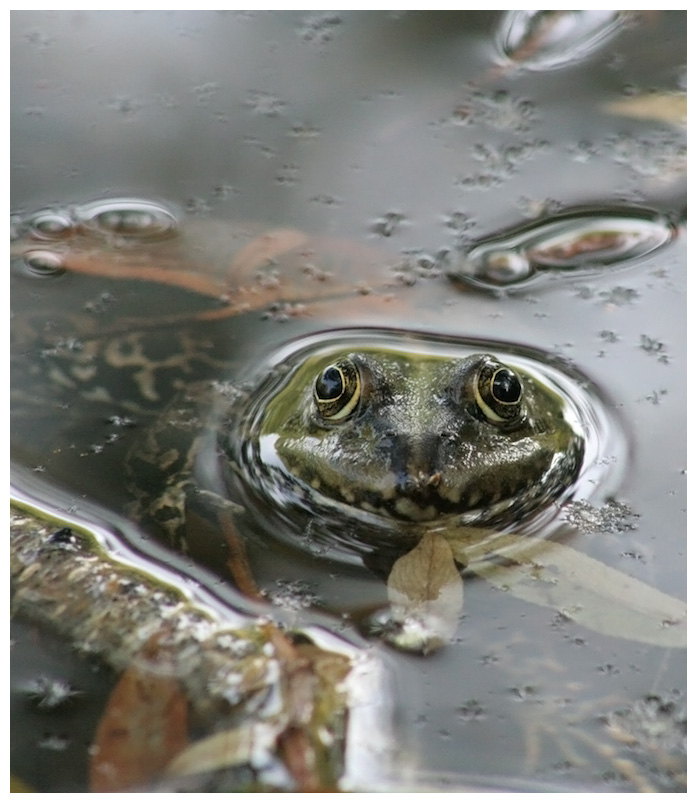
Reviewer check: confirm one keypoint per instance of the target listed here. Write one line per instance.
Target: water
(403, 145)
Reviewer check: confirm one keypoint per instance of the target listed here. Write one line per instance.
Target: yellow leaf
(589, 592)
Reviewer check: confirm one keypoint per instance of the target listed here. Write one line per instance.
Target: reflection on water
(395, 129)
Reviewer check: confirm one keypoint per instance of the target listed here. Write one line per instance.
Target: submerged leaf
(143, 727)
(251, 743)
(589, 592)
(426, 594)
(665, 107)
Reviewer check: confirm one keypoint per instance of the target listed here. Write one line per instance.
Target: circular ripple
(281, 507)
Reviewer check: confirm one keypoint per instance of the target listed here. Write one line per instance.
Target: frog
(417, 437)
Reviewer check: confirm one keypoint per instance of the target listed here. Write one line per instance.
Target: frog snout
(416, 463)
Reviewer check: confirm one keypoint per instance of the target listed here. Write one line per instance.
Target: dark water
(559, 214)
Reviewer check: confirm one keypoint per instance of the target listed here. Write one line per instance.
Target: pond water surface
(513, 185)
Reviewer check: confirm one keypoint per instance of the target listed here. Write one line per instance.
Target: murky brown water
(534, 202)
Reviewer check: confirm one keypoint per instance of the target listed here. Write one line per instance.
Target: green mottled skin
(418, 448)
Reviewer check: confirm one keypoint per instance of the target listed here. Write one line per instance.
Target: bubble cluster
(125, 217)
(575, 242)
(38, 237)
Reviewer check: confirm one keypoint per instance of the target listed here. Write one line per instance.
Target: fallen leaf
(143, 727)
(426, 594)
(251, 743)
(588, 592)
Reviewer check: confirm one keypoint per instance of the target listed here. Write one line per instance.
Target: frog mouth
(424, 496)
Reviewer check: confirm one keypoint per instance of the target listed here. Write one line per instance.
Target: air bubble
(50, 225)
(129, 218)
(578, 242)
(549, 40)
(504, 268)
(43, 263)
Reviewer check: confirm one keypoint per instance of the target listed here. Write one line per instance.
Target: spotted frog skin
(415, 437)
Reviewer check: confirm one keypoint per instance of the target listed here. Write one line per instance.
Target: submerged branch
(233, 678)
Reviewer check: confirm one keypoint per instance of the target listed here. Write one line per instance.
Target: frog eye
(498, 392)
(338, 390)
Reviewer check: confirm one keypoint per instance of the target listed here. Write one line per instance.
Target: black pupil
(506, 387)
(329, 384)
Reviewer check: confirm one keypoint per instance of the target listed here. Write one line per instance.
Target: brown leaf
(426, 593)
(143, 727)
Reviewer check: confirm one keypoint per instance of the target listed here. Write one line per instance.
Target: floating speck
(499, 110)
(416, 265)
(288, 175)
(320, 28)
(205, 92)
(656, 397)
(325, 200)
(500, 163)
(54, 741)
(533, 208)
(284, 311)
(386, 225)
(100, 304)
(121, 421)
(619, 296)
(653, 346)
(221, 192)
(264, 104)
(471, 710)
(50, 693)
(125, 105)
(303, 131)
(198, 206)
(293, 595)
(612, 517)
